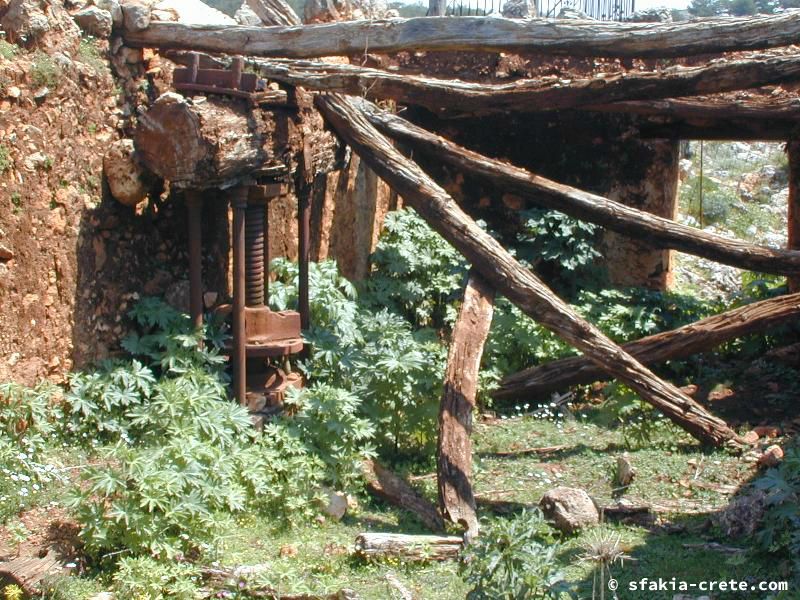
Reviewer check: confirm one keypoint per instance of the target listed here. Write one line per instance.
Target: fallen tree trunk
(639, 224)
(532, 95)
(408, 547)
(28, 572)
(396, 490)
(539, 382)
(454, 455)
(563, 37)
(209, 144)
(507, 276)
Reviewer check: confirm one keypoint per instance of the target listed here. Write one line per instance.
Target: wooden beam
(537, 383)
(507, 276)
(657, 231)
(793, 150)
(542, 36)
(454, 455)
(532, 95)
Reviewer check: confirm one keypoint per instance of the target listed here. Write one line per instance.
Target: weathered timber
(396, 490)
(274, 12)
(506, 275)
(657, 231)
(564, 37)
(454, 452)
(539, 382)
(534, 95)
(242, 579)
(27, 572)
(210, 144)
(707, 108)
(793, 150)
(408, 547)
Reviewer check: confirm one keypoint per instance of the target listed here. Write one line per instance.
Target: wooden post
(194, 205)
(239, 350)
(454, 456)
(793, 149)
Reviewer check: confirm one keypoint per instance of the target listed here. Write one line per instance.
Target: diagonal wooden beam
(507, 276)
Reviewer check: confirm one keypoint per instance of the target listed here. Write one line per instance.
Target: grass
(88, 53)
(5, 159)
(44, 70)
(8, 50)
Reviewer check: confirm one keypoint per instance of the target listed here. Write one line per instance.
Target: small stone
(337, 505)
(34, 161)
(5, 253)
(128, 181)
(518, 9)
(287, 551)
(13, 92)
(210, 299)
(136, 15)
(40, 94)
(767, 431)
(772, 456)
(751, 437)
(94, 21)
(570, 509)
(625, 471)
(131, 56)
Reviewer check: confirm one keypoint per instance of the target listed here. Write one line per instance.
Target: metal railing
(602, 10)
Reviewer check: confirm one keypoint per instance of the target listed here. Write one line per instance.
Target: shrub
(44, 70)
(8, 50)
(143, 578)
(5, 160)
(513, 559)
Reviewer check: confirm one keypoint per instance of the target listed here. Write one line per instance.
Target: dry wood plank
(657, 231)
(27, 572)
(708, 108)
(408, 547)
(274, 12)
(563, 37)
(532, 95)
(396, 490)
(507, 276)
(454, 451)
(539, 382)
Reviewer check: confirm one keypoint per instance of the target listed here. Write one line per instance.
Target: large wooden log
(564, 37)
(507, 276)
(532, 95)
(658, 231)
(539, 382)
(27, 572)
(407, 547)
(394, 489)
(214, 143)
(793, 210)
(454, 455)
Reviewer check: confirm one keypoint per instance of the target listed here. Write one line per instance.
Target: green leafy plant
(780, 527)
(8, 50)
(5, 160)
(513, 559)
(143, 578)
(640, 422)
(44, 70)
(88, 53)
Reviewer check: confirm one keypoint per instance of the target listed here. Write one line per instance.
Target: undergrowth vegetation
(176, 466)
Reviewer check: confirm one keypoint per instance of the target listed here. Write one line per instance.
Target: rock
(337, 505)
(25, 20)
(104, 596)
(114, 9)
(246, 16)
(570, 509)
(128, 180)
(625, 471)
(131, 56)
(177, 295)
(574, 13)
(659, 14)
(772, 456)
(94, 21)
(5, 253)
(41, 94)
(392, 13)
(136, 15)
(743, 515)
(35, 161)
(518, 9)
(13, 92)
(767, 431)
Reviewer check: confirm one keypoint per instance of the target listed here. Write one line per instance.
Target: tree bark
(638, 224)
(215, 143)
(507, 276)
(27, 572)
(454, 456)
(539, 382)
(563, 37)
(409, 547)
(396, 490)
(532, 95)
(793, 150)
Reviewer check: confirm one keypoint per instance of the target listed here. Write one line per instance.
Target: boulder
(94, 21)
(114, 9)
(570, 509)
(136, 15)
(625, 471)
(743, 515)
(660, 14)
(246, 16)
(25, 21)
(772, 457)
(519, 9)
(336, 506)
(128, 180)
